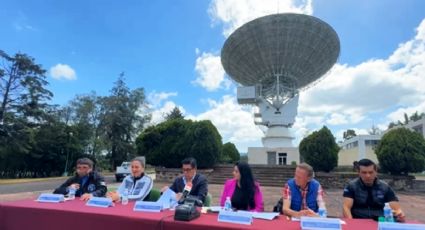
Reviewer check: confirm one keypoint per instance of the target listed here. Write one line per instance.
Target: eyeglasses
(83, 167)
(187, 169)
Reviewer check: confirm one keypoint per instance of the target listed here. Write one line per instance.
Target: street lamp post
(65, 172)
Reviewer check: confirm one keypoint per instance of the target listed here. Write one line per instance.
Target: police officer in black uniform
(365, 196)
(86, 182)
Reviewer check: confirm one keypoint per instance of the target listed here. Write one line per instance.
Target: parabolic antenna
(298, 48)
(275, 56)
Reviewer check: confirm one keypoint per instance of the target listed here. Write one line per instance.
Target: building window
(352, 145)
(282, 159)
(371, 142)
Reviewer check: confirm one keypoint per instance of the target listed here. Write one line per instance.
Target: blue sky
(172, 49)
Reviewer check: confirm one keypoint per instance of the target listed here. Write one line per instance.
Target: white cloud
(354, 95)
(398, 115)
(155, 99)
(420, 31)
(158, 114)
(62, 72)
(21, 23)
(234, 122)
(234, 13)
(337, 119)
(21, 27)
(160, 105)
(210, 72)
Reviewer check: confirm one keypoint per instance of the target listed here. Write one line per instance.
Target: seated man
(365, 196)
(302, 195)
(197, 181)
(86, 182)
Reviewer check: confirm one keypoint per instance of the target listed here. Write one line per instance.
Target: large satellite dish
(298, 48)
(273, 57)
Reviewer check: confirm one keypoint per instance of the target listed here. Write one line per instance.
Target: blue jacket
(138, 190)
(311, 197)
(95, 185)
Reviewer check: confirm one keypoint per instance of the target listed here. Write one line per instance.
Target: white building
(363, 146)
(273, 156)
(358, 147)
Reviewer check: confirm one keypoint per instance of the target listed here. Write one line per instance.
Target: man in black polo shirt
(365, 196)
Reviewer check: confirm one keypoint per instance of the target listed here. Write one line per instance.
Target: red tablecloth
(75, 215)
(209, 221)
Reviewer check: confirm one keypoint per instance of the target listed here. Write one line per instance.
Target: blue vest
(311, 197)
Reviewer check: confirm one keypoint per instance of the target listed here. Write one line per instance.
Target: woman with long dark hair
(243, 190)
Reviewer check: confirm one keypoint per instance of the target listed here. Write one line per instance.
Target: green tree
(350, 133)
(174, 114)
(320, 150)
(406, 119)
(23, 89)
(85, 113)
(416, 116)
(169, 142)
(121, 120)
(401, 151)
(24, 109)
(230, 153)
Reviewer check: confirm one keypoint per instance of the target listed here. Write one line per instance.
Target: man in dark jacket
(365, 196)
(86, 182)
(197, 183)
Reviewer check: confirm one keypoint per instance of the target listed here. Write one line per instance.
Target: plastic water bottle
(71, 193)
(228, 204)
(322, 211)
(388, 213)
(124, 198)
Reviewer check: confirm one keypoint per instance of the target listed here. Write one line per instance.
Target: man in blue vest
(365, 196)
(302, 195)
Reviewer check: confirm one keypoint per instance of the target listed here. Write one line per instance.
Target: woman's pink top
(229, 189)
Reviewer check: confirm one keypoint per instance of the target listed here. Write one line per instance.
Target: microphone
(185, 192)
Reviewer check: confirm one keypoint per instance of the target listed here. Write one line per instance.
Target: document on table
(168, 198)
(214, 208)
(262, 215)
(265, 215)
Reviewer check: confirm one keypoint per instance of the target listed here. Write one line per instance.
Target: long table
(75, 215)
